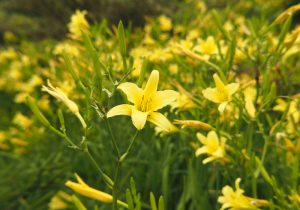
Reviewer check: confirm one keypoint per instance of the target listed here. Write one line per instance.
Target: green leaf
(161, 203)
(121, 36)
(152, 202)
(129, 200)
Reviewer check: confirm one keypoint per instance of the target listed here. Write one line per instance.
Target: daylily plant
(145, 103)
(236, 200)
(221, 94)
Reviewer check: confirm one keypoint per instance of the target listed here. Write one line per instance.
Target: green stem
(114, 142)
(115, 192)
(107, 180)
(118, 168)
(130, 146)
(124, 63)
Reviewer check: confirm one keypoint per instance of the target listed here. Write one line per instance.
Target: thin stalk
(118, 168)
(107, 180)
(130, 145)
(115, 191)
(113, 139)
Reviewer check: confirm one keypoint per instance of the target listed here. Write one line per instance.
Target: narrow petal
(161, 121)
(218, 153)
(139, 118)
(132, 91)
(232, 88)
(152, 83)
(211, 94)
(213, 139)
(202, 138)
(250, 108)
(123, 109)
(163, 98)
(201, 151)
(209, 159)
(219, 84)
(222, 107)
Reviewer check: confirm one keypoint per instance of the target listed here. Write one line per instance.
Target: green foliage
(42, 142)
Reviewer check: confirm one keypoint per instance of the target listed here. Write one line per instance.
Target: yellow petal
(123, 109)
(163, 98)
(152, 83)
(132, 91)
(250, 107)
(139, 118)
(232, 88)
(213, 139)
(222, 107)
(227, 191)
(219, 84)
(202, 138)
(218, 153)
(209, 159)
(212, 95)
(201, 151)
(161, 121)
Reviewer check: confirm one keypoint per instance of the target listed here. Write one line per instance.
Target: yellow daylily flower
(82, 188)
(295, 197)
(234, 200)
(207, 47)
(22, 121)
(221, 94)
(78, 24)
(145, 102)
(61, 96)
(160, 130)
(214, 147)
(165, 23)
(67, 48)
(183, 102)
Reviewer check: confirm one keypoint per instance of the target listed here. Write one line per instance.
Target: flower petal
(213, 139)
(219, 84)
(132, 91)
(163, 98)
(123, 109)
(161, 121)
(139, 118)
(250, 108)
(211, 94)
(222, 107)
(202, 138)
(152, 83)
(200, 151)
(209, 159)
(232, 88)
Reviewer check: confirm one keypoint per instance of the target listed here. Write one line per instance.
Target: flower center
(144, 104)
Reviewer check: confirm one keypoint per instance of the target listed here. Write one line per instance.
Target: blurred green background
(40, 19)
